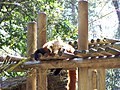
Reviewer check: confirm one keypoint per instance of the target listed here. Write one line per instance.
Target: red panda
(52, 48)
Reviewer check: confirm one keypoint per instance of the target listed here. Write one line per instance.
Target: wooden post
(31, 38)
(41, 32)
(31, 47)
(41, 40)
(83, 42)
(82, 25)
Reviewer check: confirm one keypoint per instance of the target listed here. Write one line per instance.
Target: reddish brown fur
(72, 80)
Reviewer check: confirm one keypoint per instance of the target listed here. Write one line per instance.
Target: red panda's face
(57, 45)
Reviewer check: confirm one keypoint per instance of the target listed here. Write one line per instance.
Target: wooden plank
(42, 79)
(107, 63)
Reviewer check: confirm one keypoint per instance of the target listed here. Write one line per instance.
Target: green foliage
(13, 74)
(65, 30)
(7, 72)
(16, 14)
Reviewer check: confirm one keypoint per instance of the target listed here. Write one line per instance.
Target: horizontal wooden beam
(107, 63)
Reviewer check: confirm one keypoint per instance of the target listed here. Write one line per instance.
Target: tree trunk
(116, 5)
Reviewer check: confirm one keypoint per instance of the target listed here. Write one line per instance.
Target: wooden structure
(91, 59)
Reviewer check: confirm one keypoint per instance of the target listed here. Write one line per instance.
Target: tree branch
(116, 5)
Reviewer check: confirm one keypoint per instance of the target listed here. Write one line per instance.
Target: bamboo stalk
(95, 53)
(116, 46)
(112, 51)
(2, 59)
(82, 53)
(102, 51)
(112, 41)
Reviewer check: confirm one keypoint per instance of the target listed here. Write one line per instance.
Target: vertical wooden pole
(83, 42)
(82, 25)
(31, 47)
(41, 40)
(31, 38)
(41, 32)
